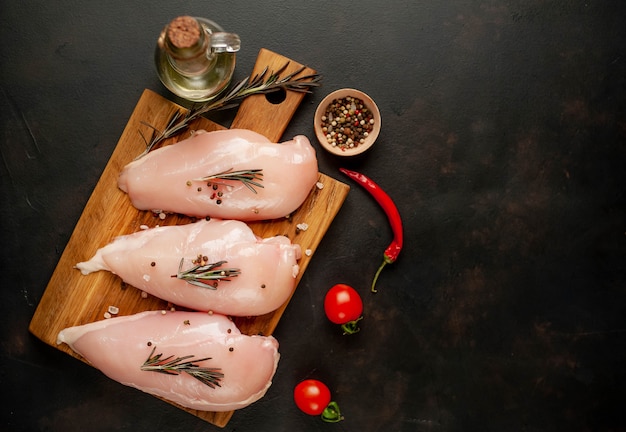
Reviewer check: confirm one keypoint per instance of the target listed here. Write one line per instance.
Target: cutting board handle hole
(276, 97)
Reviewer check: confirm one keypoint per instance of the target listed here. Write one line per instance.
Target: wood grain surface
(72, 299)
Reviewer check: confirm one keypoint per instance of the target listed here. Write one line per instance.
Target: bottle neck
(187, 44)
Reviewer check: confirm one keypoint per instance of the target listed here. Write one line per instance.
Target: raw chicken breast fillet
(149, 258)
(167, 179)
(120, 346)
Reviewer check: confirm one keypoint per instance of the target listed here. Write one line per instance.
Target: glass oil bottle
(195, 58)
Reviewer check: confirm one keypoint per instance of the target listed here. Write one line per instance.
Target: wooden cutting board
(72, 299)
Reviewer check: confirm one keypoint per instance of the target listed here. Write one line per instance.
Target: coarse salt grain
(319, 185)
(146, 277)
(143, 227)
(107, 315)
(114, 310)
(144, 294)
(162, 216)
(302, 226)
(308, 252)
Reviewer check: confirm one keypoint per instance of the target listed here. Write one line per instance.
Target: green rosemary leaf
(236, 89)
(175, 366)
(250, 178)
(202, 274)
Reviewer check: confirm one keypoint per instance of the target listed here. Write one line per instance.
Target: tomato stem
(351, 327)
(331, 413)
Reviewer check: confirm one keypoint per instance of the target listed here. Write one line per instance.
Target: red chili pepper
(385, 201)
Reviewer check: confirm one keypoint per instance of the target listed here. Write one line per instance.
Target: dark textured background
(503, 143)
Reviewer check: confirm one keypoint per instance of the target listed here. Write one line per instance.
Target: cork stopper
(184, 32)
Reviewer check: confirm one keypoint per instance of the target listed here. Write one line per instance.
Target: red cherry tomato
(312, 396)
(343, 305)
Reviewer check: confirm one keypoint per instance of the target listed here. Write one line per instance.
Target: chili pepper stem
(351, 327)
(331, 413)
(386, 261)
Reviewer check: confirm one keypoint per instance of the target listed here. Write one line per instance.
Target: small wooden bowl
(344, 150)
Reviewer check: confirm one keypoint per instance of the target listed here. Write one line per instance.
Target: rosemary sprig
(201, 273)
(250, 178)
(262, 83)
(175, 366)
